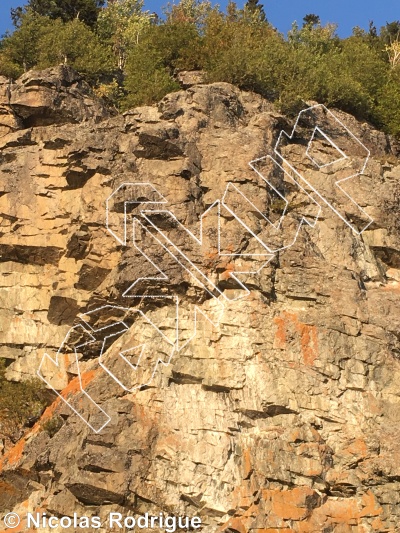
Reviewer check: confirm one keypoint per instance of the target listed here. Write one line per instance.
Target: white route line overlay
(283, 134)
(145, 193)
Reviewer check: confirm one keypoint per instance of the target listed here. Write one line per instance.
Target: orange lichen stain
(140, 413)
(309, 343)
(275, 530)
(377, 524)
(289, 504)
(357, 448)
(343, 512)
(371, 506)
(243, 495)
(227, 274)
(294, 435)
(308, 336)
(247, 466)
(75, 386)
(213, 254)
(299, 510)
(15, 454)
(280, 334)
(168, 443)
(347, 513)
(47, 415)
(391, 287)
(242, 498)
(235, 524)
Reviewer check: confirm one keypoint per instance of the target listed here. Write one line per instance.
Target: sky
(281, 13)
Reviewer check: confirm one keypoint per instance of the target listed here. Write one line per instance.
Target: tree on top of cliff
(135, 62)
(85, 10)
(19, 51)
(120, 24)
(40, 42)
(253, 7)
(390, 32)
(311, 20)
(188, 12)
(73, 43)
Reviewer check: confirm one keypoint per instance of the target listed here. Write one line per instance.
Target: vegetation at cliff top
(131, 56)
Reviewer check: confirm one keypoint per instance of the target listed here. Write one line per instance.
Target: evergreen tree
(359, 74)
(40, 42)
(390, 32)
(388, 104)
(73, 43)
(19, 51)
(311, 20)
(85, 10)
(147, 77)
(253, 7)
(372, 30)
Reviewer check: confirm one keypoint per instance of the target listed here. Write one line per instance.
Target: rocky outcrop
(190, 78)
(281, 414)
(9, 122)
(58, 95)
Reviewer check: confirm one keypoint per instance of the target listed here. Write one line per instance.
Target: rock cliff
(276, 405)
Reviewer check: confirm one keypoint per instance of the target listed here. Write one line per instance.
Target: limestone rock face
(9, 122)
(57, 95)
(188, 78)
(276, 402)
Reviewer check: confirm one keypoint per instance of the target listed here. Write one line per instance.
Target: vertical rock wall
(283, 415)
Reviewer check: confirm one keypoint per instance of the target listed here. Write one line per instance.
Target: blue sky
(281, 13)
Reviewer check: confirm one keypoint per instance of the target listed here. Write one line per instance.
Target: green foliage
(19, 52)
(53, 426)
(40, 42)
(188, 12)
(372, 31)
(311, 64)
(239, 51)
(20, 402)
(317, 39)
(85, 10)
(346, 73)
(147, 76)
(151, 63)
(132, 57)
(311, 20)
(256, 9)
(110, 92)
(179, 44)
(120, 24)
(355, 78)
(388, 108)
(73, 43)
(390, 32)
